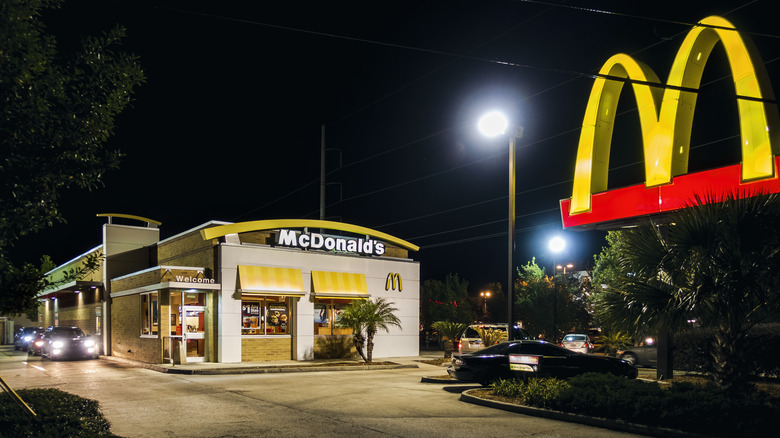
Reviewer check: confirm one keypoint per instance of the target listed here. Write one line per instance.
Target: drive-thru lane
(141, 403)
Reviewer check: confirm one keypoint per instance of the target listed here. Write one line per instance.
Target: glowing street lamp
(485, 295)
(494, 124)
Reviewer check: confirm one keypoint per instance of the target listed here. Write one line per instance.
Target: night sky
(228, 125)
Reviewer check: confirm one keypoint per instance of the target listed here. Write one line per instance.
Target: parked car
(645, 354)
(471, 341)
(67, 342)
(529, 357)
(577, 342)
(23, 336)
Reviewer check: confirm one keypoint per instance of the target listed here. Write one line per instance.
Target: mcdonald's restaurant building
(236, 292)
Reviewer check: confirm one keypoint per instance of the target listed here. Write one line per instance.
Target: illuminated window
(265, 315)
(149, 314)
(327, 315)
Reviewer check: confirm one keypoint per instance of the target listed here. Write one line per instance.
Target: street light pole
(511, 241)
(493, 124)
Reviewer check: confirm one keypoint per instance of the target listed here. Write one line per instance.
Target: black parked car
(68, 342)
(538, 358)
(23, 336)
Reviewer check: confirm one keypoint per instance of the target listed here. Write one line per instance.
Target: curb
(442, 379)
(605, 423)
(256, 370)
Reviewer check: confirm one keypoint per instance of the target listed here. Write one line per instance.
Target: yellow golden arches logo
(394, 280)
(666, 118)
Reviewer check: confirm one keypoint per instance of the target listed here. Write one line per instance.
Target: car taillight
(38, 343)
(460, 345)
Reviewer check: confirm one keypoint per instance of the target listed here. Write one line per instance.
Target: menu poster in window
(320, 314)
(277, 315)
(250, 313)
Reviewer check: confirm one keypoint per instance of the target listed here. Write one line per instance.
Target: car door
(556, 361)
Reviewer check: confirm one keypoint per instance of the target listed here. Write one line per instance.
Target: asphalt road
(144, 403)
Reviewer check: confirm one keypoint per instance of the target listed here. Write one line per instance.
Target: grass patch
(59, 413)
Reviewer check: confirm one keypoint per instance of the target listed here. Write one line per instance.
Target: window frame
(150, 314)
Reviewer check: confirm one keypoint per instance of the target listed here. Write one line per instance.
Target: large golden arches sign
(666, 118)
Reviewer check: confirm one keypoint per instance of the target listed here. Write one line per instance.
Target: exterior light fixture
(494, 124)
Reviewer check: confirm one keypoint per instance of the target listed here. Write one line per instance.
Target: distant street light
(557, 244)
(485, 296)
(494, 124)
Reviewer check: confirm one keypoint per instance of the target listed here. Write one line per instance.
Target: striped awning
(339, 285)
(266, 280)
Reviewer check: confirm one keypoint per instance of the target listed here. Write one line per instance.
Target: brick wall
(126, 338)
(188, 250)
(266, 349)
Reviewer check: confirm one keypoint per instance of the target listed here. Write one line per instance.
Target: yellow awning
(339, 285)
(266, 280)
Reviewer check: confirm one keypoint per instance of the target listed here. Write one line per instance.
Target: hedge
(701, 409)
(693, 350)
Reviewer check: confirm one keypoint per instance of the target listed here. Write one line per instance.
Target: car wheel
(630, 358)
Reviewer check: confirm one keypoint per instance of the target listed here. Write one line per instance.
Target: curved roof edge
(242, 227)
(130, 216)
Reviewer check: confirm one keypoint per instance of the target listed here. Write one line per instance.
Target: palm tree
(379, 316)
(614, 341)
(365, 318)
(491, 337)
(450, 331)
(716, 262)
(352, 317)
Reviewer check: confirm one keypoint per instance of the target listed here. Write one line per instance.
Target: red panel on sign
(636, 201)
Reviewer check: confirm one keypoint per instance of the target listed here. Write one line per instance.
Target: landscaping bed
(689, 404)
(58, 414)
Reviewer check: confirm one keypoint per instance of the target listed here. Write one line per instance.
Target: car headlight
(458, 361)
(27, 338)
(89, 343)
(57, 344)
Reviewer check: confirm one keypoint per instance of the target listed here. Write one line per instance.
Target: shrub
(60, 414)
(610, 396)
(490, 336)
(702, 409)
(539, 392)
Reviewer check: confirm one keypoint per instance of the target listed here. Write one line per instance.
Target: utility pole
(322, 174)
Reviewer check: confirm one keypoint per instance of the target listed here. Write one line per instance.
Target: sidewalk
(284, 366)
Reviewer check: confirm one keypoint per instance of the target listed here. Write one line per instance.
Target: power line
(580, 74)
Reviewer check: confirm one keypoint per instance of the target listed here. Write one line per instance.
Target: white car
(470, 340)
(577, 342)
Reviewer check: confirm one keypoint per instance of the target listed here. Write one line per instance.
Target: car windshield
(574, 338)
(71, 332)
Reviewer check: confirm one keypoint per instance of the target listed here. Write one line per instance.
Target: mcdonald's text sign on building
(666, 119)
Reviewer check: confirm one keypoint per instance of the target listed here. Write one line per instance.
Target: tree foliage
(717, 263)
(445, 301)
(56, 114)
(535, 306)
